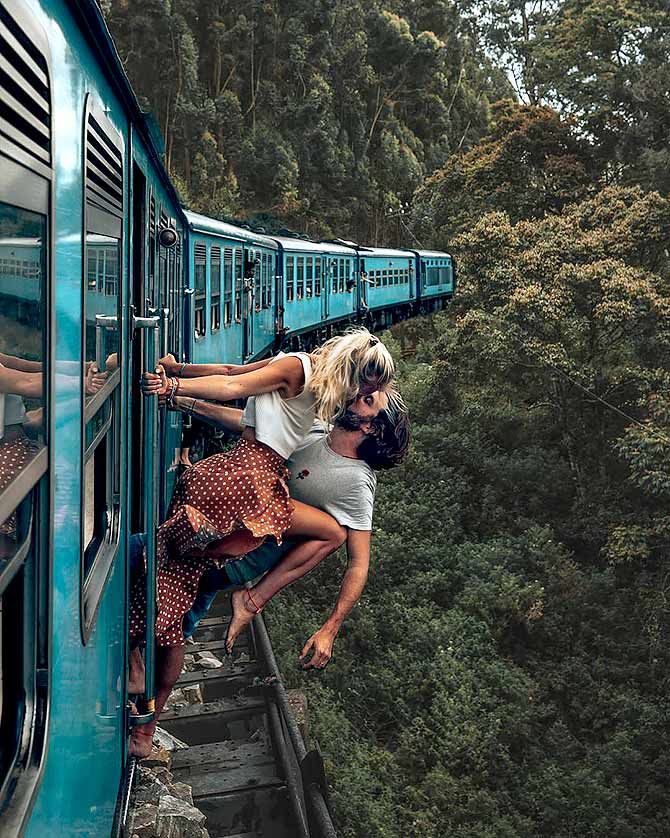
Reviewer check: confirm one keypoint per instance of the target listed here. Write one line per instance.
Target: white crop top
(280, 423)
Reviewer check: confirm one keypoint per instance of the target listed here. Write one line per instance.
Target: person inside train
(228, 504)
(21, 428)
(333, 470)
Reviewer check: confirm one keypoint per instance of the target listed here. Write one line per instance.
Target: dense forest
(507, 671)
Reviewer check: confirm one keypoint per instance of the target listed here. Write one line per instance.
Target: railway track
(246, 760)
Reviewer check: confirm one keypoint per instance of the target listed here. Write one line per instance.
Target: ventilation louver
(104, 165)
(25, 98)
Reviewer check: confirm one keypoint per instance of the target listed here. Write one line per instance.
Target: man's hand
(320, 644)
(169, 364)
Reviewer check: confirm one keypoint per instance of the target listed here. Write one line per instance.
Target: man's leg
(235, 574)
(324, 535)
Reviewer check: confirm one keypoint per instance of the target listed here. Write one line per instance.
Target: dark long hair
(387, 447)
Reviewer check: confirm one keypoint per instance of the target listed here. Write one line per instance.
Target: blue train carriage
(89, 201)
(318, 286)
(436, 278)
(388, 283)
(235, 291)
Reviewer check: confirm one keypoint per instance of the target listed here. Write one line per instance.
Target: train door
(363, 284)
(410, 279)
(324, 285)
(251, 262)
(277, 260)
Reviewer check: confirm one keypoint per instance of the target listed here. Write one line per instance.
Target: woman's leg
(323, 536)
(169, 663)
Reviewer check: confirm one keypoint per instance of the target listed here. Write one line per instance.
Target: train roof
(308, 246)
(388, 252)
(203, 224)
(20, 242)
(434, 254)
(92, 22)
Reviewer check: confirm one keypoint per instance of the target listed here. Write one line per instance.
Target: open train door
(251, 262)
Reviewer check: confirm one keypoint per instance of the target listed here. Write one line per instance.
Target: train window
(344, 263)
(200, 285)
(101, 480)
(309, 276)
(289, 279)
(227, 285)
(25, 170)
(334, 267)
(317, 276)
(215, 274)
(268, 280)
(300, 260)
(238, 285)
(444, 275)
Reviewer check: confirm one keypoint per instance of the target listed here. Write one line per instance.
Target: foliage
(326, 115)
(505, 673)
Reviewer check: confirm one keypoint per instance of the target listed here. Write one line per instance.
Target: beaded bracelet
(173, 385)
(182, 368)
(189, 410)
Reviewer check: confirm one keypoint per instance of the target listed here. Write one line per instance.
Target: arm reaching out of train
(186, 370)
(216, 415)
(285, 375)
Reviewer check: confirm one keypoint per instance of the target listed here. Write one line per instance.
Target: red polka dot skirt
(240, 496)
(14, 457)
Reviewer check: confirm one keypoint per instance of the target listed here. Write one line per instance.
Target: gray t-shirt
(341, 486)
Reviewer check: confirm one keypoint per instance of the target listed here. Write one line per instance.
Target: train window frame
(215, 298)
(200, 294)
(317, 276)
(300, 277)
(102, 215)
(238, 285)
(289, 276)
(227, 286)
(26, 183)
(335, 273)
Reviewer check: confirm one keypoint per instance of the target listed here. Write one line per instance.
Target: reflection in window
(22, 311)
(102, 298)
(289, 279)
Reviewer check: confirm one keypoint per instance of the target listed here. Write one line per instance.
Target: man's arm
(353, 583)
(217, 415)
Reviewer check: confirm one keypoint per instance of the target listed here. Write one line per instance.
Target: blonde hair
(342, 364)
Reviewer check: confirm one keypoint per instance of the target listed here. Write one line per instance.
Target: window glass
(238, 285)
(227, 285)
(334, 265)
(289, 278)
(343, 263)
(301, 276)
(215, 279)
(317, 276)
(200, 284)
(22, 325)
(309, 276)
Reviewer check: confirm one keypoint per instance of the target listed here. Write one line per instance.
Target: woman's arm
(173, 367)
(286, 374)
(14, 363)
(28, 384)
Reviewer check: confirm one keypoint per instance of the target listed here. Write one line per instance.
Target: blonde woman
(227, 505)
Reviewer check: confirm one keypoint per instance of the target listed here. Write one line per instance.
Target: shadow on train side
(101, 271)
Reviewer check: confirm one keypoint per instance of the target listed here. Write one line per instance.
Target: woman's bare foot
(136, 676)
(244, 609)
(141, 741)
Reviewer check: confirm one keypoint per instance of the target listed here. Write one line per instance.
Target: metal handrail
(321, 824)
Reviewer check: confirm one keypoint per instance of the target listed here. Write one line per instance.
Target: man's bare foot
(243, 613)
(141, 741)
(136, 677)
